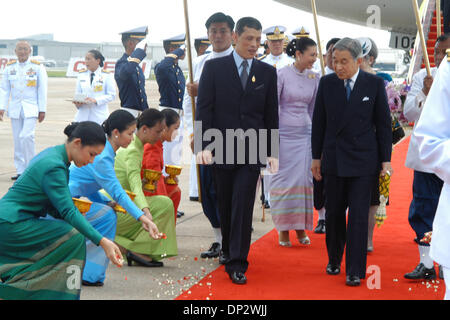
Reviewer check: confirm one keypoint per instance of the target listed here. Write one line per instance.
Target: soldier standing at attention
(129, 74)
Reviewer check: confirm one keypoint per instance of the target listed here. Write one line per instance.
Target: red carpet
(298, 273)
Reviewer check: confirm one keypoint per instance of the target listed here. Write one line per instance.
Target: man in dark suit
(351, 146)
(238, 104)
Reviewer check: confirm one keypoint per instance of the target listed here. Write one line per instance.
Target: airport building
(56, 54)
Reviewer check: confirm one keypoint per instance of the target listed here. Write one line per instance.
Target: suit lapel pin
(253, 79)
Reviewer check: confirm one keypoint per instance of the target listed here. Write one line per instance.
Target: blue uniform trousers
(426, 192)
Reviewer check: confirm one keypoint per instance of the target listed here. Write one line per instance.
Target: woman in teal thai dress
(130, 235)
(40, 258)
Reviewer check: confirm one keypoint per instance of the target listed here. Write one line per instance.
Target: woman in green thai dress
(130, 235)
(41, 258)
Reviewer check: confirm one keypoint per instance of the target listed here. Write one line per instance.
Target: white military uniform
(432, 133)
(198, 65)
(318, 68)
(26, 84)
(278, 61)
(102, 89)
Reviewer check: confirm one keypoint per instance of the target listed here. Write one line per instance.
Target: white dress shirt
(413, 108)
(354, 78)
(318, 68)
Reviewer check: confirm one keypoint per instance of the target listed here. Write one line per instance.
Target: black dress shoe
(15, 177)
(180, 214)
(149, 264)
(352, 281)
(420, 272)
(213, 252)
(92, 284)
(333, 270)
(223, 258)
(320, 227)
(195, 199)
(238, 277)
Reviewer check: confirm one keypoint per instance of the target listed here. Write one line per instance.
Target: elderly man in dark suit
(351, 146)
(238, 104)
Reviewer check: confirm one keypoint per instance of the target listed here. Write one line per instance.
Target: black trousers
(236, 190)
(209, 196)
(446, 9)
(319, 193)
(353, 193)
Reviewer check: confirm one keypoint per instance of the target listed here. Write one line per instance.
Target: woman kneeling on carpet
(153, 160)
(131, 236)
(40, 258)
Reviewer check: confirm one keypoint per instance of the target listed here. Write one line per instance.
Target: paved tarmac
(194, 233)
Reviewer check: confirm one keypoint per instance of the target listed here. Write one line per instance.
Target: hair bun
(70, 129)
(301, 45)
(291, 48)
(105, 126)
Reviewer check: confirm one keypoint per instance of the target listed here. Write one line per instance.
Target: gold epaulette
(130, 59)
(448, 55)
(11, 62)
(82, 70)
(105, 71)
(35, 62)
(171, 55)
(262, 57)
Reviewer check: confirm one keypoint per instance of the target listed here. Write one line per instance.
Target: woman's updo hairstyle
(301, 44)
(98, 56)
(149, 118)
(120, 120)
(171, 116)
(90, 133)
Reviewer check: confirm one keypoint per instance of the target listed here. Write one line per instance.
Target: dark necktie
(348, 88)
(92, 77)
(244, 73)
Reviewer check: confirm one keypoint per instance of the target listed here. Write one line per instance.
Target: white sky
(103, 20)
